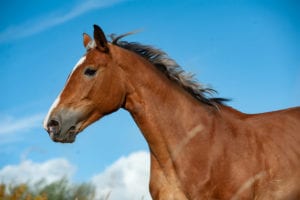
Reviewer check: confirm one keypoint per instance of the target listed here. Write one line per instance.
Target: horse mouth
(68, 137)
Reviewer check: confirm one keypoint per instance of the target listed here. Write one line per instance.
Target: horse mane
(171, 69)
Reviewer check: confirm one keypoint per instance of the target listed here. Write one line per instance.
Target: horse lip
(53, 133)
(64, 140)
(68, 137)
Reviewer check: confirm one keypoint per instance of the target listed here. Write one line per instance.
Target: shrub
(59, 190)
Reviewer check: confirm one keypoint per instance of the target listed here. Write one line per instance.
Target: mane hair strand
(171, 69)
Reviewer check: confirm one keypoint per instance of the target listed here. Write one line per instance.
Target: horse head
(94, 88)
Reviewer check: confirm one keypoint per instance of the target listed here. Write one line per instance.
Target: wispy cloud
(9, 125)
(35, 26)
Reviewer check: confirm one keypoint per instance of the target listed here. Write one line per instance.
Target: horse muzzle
(62, 129)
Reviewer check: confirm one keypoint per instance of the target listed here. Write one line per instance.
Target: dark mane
(171, 69)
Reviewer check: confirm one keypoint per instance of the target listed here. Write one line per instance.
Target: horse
(200, 147)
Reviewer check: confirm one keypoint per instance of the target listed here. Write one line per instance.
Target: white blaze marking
(80, 61)
(54, 105)
(56, 102)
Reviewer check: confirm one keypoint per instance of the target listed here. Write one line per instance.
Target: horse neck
(166, 114)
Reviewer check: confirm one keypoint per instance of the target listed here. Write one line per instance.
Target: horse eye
(90, 72)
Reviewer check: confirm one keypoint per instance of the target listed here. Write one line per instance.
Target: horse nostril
(53, 122)
(53, 127)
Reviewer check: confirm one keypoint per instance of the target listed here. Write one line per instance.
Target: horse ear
(86, 39)
(100, 39)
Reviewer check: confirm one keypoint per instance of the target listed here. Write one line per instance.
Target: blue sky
(247, 50)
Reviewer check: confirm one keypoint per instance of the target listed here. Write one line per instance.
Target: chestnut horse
(199, 147)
